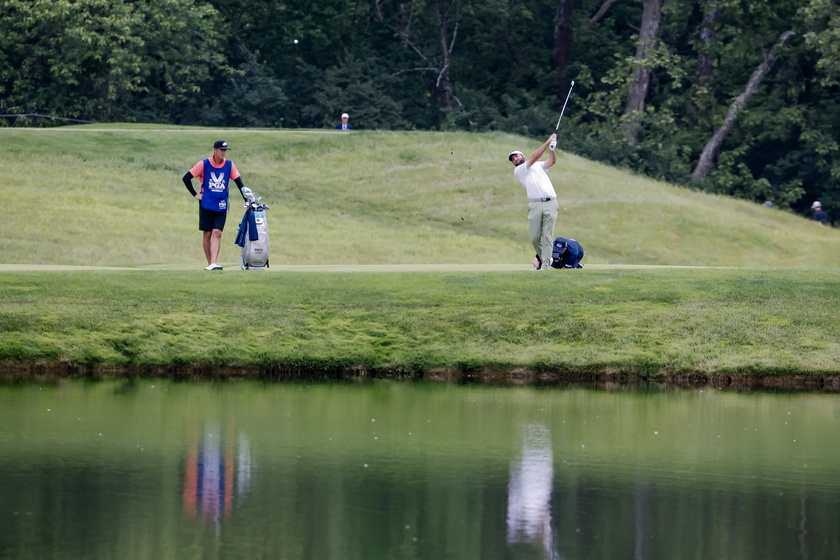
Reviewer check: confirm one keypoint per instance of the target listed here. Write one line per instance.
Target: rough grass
(648, 322)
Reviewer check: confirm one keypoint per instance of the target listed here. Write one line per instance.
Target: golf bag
(253, 234)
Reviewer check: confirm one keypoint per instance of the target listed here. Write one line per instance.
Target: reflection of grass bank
(650, 322)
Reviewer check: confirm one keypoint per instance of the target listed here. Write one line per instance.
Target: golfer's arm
(552, 159)
(188, 177)
(535, 157)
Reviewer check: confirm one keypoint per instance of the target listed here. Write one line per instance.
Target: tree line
(737, 97)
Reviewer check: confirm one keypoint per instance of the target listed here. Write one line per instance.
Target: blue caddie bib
(215, 187)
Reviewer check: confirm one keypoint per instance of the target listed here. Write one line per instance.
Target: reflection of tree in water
(217, 473)
(529, 491)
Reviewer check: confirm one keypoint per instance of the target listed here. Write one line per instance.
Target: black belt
(544, 199)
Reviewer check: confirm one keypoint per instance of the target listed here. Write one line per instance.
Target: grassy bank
(653, 323)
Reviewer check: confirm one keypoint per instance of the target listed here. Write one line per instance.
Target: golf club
(564, 105)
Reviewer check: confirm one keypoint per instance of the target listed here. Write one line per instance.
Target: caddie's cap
(345, 116)
(513, 153)
(816, 204)
(220, 144)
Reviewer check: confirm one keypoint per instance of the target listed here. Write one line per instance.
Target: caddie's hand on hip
(199, 196)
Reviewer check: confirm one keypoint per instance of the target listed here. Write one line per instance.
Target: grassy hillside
(112, 195)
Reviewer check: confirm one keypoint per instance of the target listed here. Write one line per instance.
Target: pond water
(395, 470)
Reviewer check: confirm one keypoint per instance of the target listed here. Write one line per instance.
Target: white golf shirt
(535, 180)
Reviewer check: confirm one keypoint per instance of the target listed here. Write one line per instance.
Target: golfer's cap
(816, 204)
(514, 153)
(220, 144)
(345, 116)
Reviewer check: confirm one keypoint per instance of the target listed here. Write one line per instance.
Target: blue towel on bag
(249, 224)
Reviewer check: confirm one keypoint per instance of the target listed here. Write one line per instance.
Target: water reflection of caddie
(529, 491)
(217, 473)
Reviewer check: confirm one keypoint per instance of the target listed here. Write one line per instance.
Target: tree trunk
(443, 91)
(600, 13)
(712, 148)
(439, 83)
(708, 35)
(635, 107)
(563, 35)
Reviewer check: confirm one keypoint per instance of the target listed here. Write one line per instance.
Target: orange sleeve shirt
(197, 170)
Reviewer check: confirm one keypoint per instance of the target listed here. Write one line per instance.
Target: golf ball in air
(296, 41)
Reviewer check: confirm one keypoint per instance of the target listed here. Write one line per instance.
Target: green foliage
(106, 59)
(653, 155)
(250, 97)
(822, 18)
(735, 178)
(365, 87)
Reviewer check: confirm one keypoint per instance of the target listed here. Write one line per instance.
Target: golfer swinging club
(542, 200)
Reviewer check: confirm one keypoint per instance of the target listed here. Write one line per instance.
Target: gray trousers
(541, 219)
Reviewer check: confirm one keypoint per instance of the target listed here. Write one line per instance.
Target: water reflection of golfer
(529, 491)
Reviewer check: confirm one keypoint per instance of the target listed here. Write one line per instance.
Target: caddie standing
(214, 174)
(542, 199)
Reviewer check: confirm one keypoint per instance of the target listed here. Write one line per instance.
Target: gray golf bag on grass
(253, 234)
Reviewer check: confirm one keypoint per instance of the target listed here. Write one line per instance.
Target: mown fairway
(113, 198)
